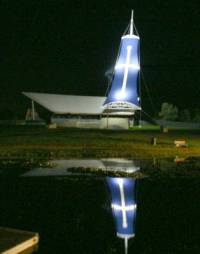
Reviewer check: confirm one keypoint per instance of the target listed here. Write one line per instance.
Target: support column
(33, 110)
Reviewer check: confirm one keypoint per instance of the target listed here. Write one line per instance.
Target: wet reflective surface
(88, 213)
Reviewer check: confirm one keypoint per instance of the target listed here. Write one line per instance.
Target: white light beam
(129, 48)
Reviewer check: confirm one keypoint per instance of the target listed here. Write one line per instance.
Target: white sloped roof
(68, 104)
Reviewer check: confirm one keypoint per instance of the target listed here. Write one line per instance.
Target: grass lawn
(30, 141)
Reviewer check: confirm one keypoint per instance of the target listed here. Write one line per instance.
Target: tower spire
(131, 24)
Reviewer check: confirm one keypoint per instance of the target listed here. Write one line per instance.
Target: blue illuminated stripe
(124, 86)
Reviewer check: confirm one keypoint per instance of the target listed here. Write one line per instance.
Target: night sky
(67, 46)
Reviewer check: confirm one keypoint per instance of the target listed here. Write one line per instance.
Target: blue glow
(126, 73)
(123, 204)
(120, 95)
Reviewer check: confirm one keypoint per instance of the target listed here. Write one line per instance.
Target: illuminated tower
(123, 95)
(123, 206)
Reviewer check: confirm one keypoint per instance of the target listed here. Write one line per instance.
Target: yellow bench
(180, 143)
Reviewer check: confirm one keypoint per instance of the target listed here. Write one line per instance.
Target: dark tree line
(172, 113)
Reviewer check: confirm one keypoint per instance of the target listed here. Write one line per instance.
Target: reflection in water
(122, 189)
(168, 219)
(61, 167)
(123, 206)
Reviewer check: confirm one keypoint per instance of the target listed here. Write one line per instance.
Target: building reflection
(124, 206)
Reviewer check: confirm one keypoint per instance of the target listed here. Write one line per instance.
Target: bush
(168, 112)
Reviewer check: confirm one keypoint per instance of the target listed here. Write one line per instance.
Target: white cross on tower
(126, 67)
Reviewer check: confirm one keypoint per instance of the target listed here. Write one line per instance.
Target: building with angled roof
(113, 111)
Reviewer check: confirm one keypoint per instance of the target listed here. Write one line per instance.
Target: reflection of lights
(123, 207)
(132, 66)
(120, 180)
(125, 235)
(127, 208)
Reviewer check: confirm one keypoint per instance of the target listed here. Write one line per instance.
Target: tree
(185, 115)
(168, 112)
(196, 115)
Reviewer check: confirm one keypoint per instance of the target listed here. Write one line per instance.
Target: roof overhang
(68, 104)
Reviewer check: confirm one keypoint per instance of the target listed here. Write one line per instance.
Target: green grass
(146, 127)
(29, 141)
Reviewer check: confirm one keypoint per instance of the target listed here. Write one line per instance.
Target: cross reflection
(123, 206)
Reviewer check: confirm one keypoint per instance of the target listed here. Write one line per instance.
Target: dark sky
(66, 46)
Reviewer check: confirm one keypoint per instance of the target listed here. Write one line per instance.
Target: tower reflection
(123, 204)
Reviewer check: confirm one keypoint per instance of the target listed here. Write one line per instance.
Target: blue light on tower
(124, 85)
